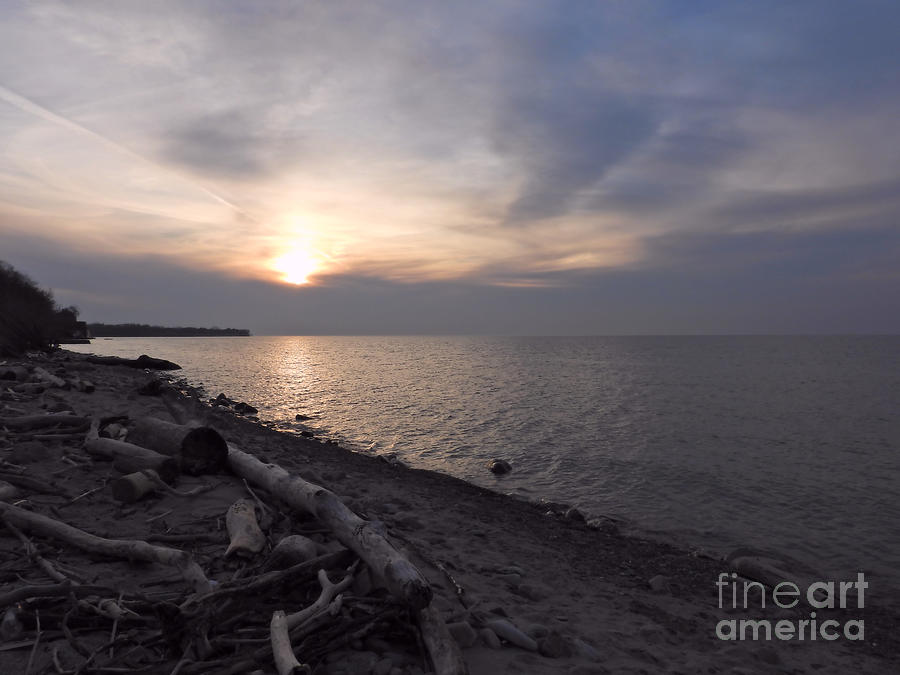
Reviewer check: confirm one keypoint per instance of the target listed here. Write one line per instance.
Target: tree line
(145, 330)
(30, 319)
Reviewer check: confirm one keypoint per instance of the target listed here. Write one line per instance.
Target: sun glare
(295, 266)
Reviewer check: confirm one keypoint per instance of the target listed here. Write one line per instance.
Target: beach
(586, 597)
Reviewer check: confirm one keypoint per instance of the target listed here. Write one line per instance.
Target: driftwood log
(29, 422)
(135, 486)
(118, 548)
(128, 458)
(143, 361)
(443, 651)
(199, 449)
(397, 573)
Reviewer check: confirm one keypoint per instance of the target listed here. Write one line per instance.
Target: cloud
(524, 146)
(232, 144)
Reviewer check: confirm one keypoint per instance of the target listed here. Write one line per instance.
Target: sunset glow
(296, 266)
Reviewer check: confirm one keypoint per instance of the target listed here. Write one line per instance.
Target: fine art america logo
(749, 595)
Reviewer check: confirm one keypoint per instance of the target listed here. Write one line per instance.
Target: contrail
(33, 108)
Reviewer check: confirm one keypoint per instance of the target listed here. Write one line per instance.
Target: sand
(595, 600)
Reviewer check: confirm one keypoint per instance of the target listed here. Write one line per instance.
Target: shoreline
(636, 605)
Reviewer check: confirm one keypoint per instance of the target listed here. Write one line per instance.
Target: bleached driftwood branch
(119, 548)
(399, 575)
(329, 591)
(286, 662)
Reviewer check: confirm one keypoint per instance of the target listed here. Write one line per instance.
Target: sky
(528, 167)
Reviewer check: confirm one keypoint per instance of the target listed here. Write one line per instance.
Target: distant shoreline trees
(145, 330)
(30, 319)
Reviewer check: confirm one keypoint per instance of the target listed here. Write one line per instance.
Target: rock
(555, 646)
(507, 631)
(537, 631)
(574, 515)
(152, 387)
(301, 418)
(307, 434)
(245, 408)
(293, 549)
(489, 638)
(499, 467)
(659, 584)
(513, 580)
(605, 525)
(463, 633)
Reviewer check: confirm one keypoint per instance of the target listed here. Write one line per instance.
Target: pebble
(507, 631)
(555, 646)
(574, 515)
(510, 579)
(537, 631)
(463, 633)
(659, 584)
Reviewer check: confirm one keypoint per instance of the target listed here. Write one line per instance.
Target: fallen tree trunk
(143, 361)
(199, 449)
(28, 422)
(396, 572)
(118, 548)
(128, 458)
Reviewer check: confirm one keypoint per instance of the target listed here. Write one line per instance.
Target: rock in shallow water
(499, 467)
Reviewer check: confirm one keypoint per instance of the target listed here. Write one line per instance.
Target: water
(789, 443)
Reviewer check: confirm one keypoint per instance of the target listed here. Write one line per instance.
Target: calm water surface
(789, 443)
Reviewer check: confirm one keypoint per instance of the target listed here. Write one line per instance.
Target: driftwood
(243, 530)
(199, 449)
(134, 486)
(286, 662)
(30, 484)
(129, 549)
(49, 378)
(143, 361)
(396, 572)
(28, 422)
(442, 649)
(128, 458)
(329, 591)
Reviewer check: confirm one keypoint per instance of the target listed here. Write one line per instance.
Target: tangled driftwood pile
(281, 575)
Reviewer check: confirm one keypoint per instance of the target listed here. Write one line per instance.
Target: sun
(295, 266)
